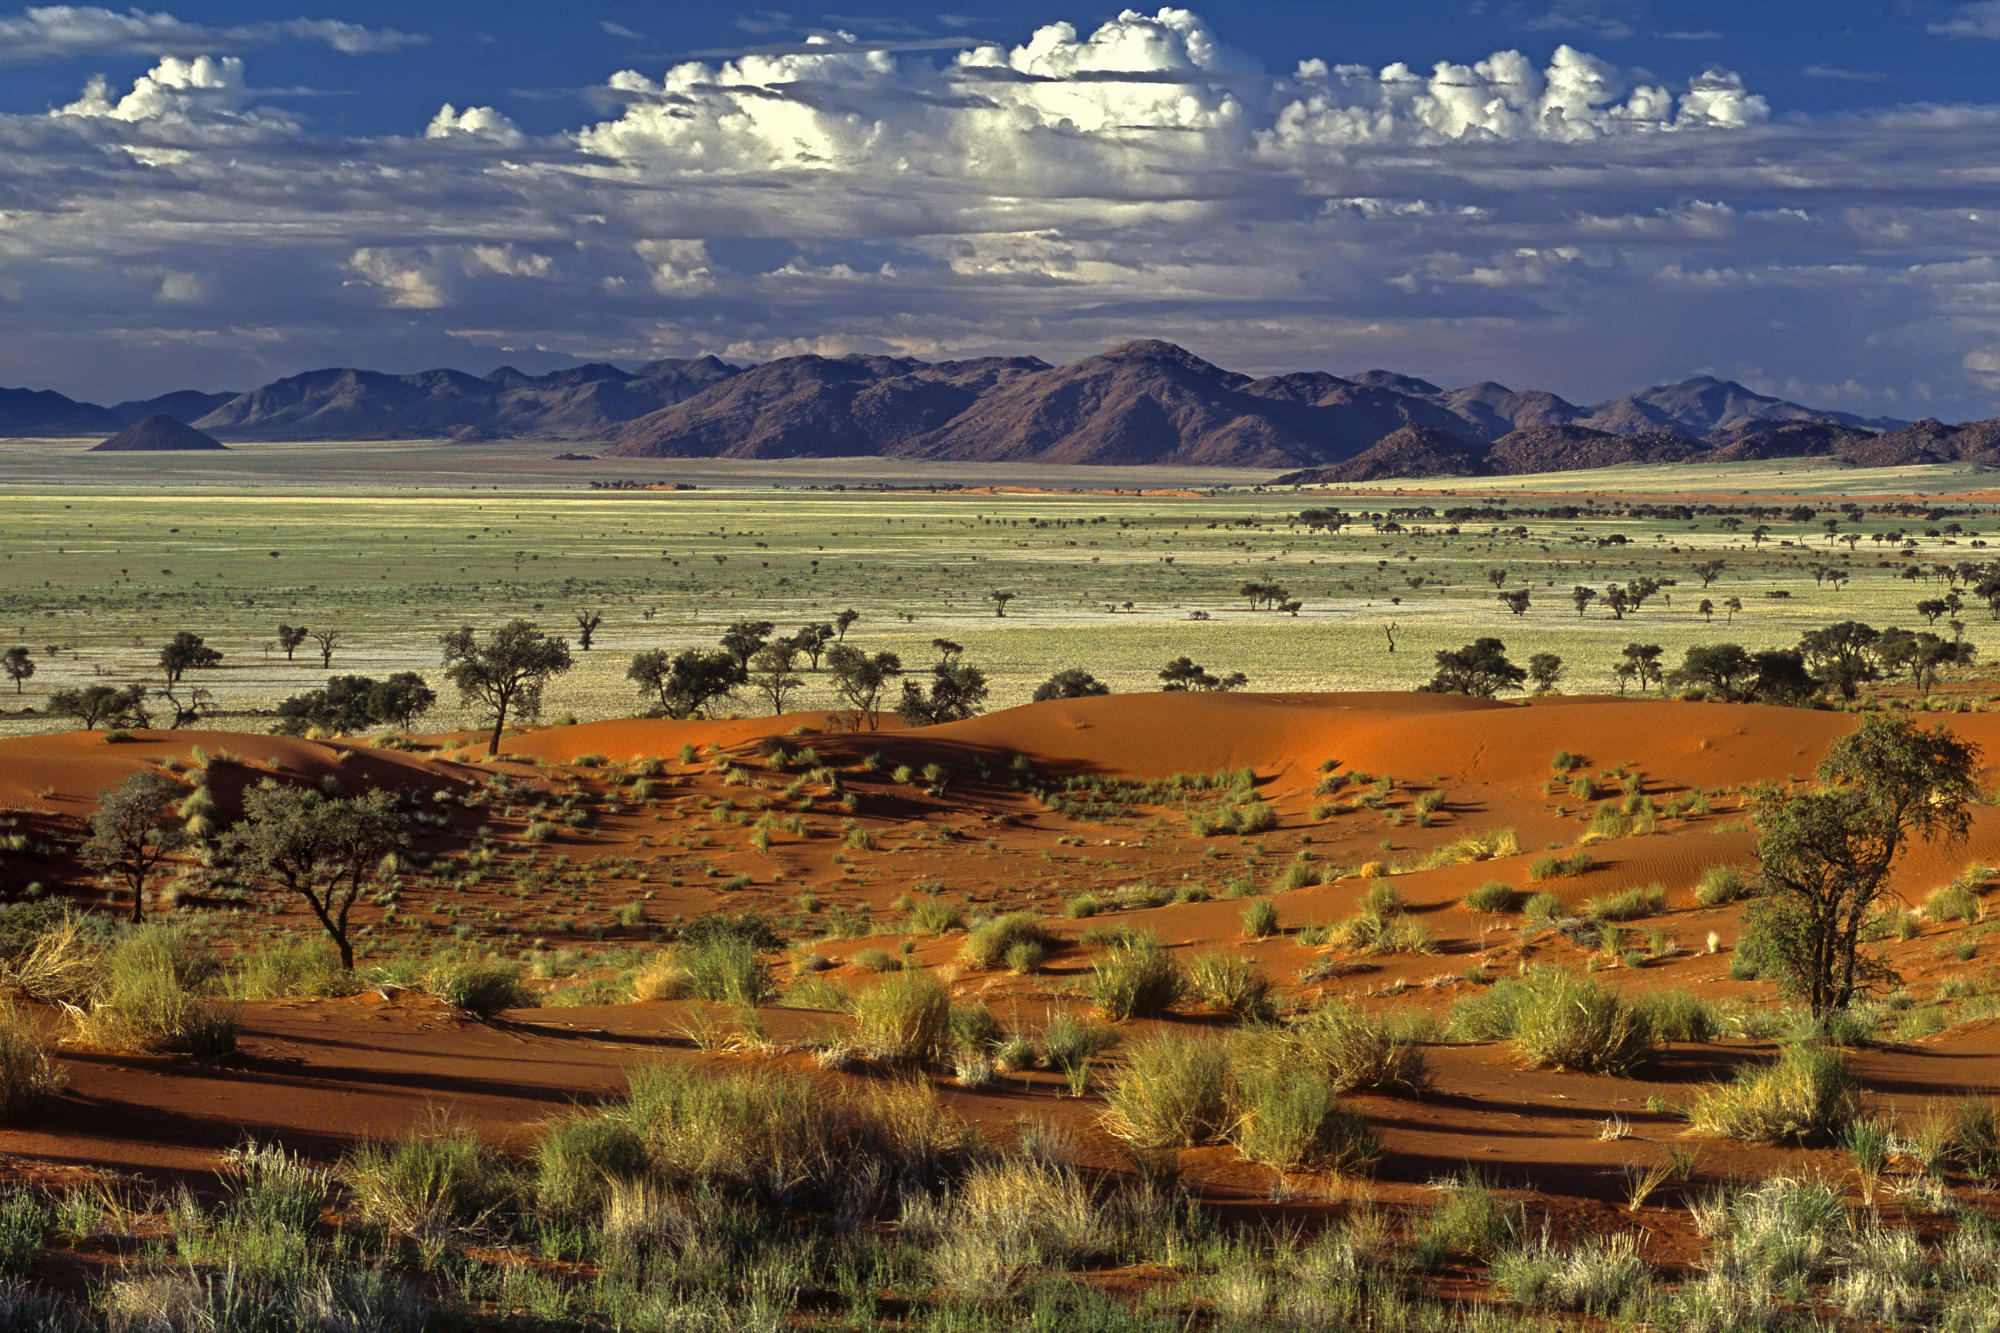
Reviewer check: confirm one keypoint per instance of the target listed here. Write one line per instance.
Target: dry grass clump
(906, 1017)
(989, 944)
(147, 1000)
(1135, 978)
(1597, 1275)
(1231, 984)
(440, 1179)
(1628, 905)
(1356, 1051)
(1173, 1092)
(1484, 846)
(1558, 1020)
(1007, 1221)
(304, 970)
(27, 1076)
(1493, 897)
(59, 965)
(479, 984)
(1806, 1094)
(1291, 1120)
(1719, 885)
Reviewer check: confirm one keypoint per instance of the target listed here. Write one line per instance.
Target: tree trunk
(493, 741)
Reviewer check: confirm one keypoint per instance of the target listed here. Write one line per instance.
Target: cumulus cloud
(1981, 18)
(1553, 219)
(64, 32)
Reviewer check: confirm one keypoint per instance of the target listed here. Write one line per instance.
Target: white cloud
(405, 281)
(475, 122)
(50, 33)
(1978, 19)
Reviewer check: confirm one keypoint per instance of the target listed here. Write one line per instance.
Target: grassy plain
(107, 556)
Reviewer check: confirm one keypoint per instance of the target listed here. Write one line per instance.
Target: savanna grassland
(105, 559)
(1146, 1013)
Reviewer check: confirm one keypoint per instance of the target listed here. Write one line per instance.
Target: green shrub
(906, 1017)
(1298, 875)
(1677, 1015)
(1134, 978)
(1230, 984)
(1290, 1120)
(1953, 902)
(724, 969)
(1719, 885)
(1598, 1275)
(431, 1182)
(1546, 866)
(1806, 1094)
(1542, 907)
(1564, 1021)
(1493, 896)
(579, 1157)
(147, 1000)
(1069, 1043)
(303, 970)
(481, 985)
(1629, 905)
(986, 945)
(1172, 1093)
(1260, 918)
(1470, 1222)
(1082, 905)
(1356, 1052)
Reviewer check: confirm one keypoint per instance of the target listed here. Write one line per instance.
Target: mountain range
(1146, 402)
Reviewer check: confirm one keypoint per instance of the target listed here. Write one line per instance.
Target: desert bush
(661, 977)
(1372, 932)
(1628, 905)
(1806, 1094)
(481, 985)
(1544, 906)
(1719, 885)
(1357, 1052)
(1291, 1120)
(1677, 1015)
(437, 1180)
(1083, 905)
(1564, 1021)
(1783, 1229)
(1471, 1221)
(48, 954)
(1231, 984)
(724, 969)
(578, 1158)
(304, 969)
(27, 1076)
(906, 1016)
(1952, 902)
(934, 915)
(1483, 846)
(1493, 897)
(1173, 1092)
(146, 1001)
(1007, 1221)
(1260, 918)
(1134, 978)
(987, 944)
(1597, 1275)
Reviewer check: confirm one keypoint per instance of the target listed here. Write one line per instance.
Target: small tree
(742, 640)
(1545, 669)
(1722, 669)
(1515, 601)
(1070, 683)
(956, 690)
(1582, 597)
(355, 703)
(504, 672)
(1645, 660)
(1000, 600)
(17, 664)
(1479, 669)
(844, 622)
(1184, 673)
(860, 679)
(1731, 605)
(112, 705)
(813, 641)
(1708, 571)
(328, 640)
(134, 828)
(587, 622)
(290, 637)
(186, 652)
(772, 674)
(323, 849)
(1825, 856)
(1706, 610)
(687, 682)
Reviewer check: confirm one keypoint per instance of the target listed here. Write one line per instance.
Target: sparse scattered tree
(1479, 669)
(1582, 597)
(1000, 598)
(325, 850)
(956, 690)
(1070, 683)
(860, 679)
(328, 640)
(844, 622)
(742, 640)
(687, 682)
(1645, 660)
(1825, 856)
(587, 622)
(1706, 610)
(1731, 605)
(1515, 601)
(186, 652)
(110, 705)
(1184, 673)
(18, 665)
(134, 828)
(505, 672)
(350, 704)
(290, 637)
(1708, 571)
(814, 640)
(772, 672)
(1725, 670)
(1545, 669)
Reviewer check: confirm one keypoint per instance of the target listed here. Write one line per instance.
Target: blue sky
(1583, 195)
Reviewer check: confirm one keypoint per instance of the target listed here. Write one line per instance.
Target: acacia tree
(1825, 856)
(1515, 601)
(1645, 661)
(1000, 598)
(772, 672)
(134, 828)
(742, 640)
(1480, 669)
(587, 622)
(328, 640)
(325, 850)
(186, 652)
(1070, 683)
(290, 637)
(956, 690)
(113, 705)
(844, 622)
(861, 678)
(17, 664)
(504, 672)
(1545, 669)
(687, 682)
(813, 640)
(1184, 673)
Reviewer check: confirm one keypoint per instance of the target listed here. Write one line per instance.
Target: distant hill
(1145, 402)
(157, 434)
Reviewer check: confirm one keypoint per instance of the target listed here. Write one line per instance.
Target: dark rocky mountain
(1571, 448)
(367, 405)
(157, 434)
(1702, 406)
(27, 413)
(1412, 451)
(186, 405)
